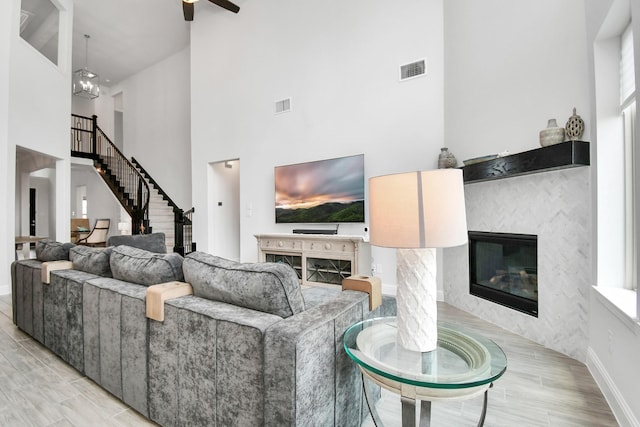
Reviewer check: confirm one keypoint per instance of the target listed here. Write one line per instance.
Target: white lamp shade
(418, 209)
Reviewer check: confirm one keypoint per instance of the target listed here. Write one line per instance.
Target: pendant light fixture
(86, 83)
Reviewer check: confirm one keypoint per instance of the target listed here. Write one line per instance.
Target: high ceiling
(126, 36)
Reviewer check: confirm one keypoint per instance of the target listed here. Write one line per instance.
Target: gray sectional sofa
(250, 347)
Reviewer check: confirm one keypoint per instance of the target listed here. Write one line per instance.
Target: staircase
(161, 208)
(150, 208)
(161, 218)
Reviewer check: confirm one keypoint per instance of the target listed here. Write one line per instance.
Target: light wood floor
(540, 388)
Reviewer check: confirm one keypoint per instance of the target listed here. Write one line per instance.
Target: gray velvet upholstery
(153, 242)
(317, 295)
(311, 384)
(26, 294)
(212, 350)
(63, 314)
(50, 250)
(268, 287)
(210, 362)
(115, 339)
(91, 260)
(145, 268)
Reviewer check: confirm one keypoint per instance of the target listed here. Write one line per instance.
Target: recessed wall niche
(39, 26)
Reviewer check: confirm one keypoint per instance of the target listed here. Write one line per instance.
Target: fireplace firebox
(503, 268)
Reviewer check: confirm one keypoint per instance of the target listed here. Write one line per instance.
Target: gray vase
(446, 159)
(575, 127)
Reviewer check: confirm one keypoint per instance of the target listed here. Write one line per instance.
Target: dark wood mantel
(559, 156)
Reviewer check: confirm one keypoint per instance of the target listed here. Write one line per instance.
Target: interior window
(39, 26)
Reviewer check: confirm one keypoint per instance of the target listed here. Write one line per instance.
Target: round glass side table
(464, 365)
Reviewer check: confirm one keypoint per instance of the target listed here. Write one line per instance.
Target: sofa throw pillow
(50, 250)
(91, 260)
(145, 268)
(153, 242)
(268, 287)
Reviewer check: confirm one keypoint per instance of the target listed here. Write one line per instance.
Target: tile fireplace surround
(555, 206)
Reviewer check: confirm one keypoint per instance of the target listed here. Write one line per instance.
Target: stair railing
(183, 243)
(184, 233)
(122, 177)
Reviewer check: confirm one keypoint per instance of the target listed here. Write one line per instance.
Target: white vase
(552, 134)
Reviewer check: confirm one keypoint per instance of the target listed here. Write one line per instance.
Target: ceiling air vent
(415, 69)
(283, 106)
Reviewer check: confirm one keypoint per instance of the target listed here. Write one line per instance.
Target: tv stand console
(318, 260)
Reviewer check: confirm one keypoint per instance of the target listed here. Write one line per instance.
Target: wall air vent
(283, 106)
(412, 70)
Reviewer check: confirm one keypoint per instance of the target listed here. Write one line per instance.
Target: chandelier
(86, 83)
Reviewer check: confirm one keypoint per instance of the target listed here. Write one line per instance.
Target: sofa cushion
(135, 265)
(268, 287)
(50, 250)
(154, 242)
(91, 260)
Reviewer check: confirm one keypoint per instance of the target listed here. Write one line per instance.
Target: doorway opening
(224, 209)
(35, 213)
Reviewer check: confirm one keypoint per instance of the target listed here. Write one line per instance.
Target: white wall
(156, 114)
(614, 345)
(510, 66)
(102, 106)
(34, 90)
(338, 61)
(614, 337)
(101, 203)
(7, 185)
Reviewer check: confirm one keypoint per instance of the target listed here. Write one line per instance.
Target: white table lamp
(123, 227)
(416, 212)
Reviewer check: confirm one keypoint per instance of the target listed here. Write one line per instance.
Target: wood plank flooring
(540, 388)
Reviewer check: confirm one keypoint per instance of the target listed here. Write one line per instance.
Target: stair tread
(161, 214)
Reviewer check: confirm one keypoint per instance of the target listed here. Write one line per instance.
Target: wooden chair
(79, 229)
(98, 235)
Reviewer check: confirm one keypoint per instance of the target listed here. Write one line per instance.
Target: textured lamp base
(416, 298)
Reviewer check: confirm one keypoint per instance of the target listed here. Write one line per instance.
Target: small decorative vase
(552, 134)
(446, 159)
(574, 127)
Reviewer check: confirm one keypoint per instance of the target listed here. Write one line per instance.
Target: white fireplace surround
(556, 206)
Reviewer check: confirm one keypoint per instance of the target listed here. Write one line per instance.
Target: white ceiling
(126, 36)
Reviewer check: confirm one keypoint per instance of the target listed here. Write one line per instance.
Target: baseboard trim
(618, 404)
(392, 290)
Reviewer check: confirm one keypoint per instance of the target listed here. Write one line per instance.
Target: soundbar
(312, 231)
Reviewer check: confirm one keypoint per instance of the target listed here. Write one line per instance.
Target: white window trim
(631, 244)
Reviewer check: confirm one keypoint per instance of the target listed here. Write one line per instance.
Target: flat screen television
(323, 191)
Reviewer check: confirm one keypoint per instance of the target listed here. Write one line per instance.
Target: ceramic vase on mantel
(553, 134)
(446, 159)
(574, 127)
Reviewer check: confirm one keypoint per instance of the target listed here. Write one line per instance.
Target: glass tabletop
(463, 359)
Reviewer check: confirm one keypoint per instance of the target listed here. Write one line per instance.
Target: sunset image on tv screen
(326, 191)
